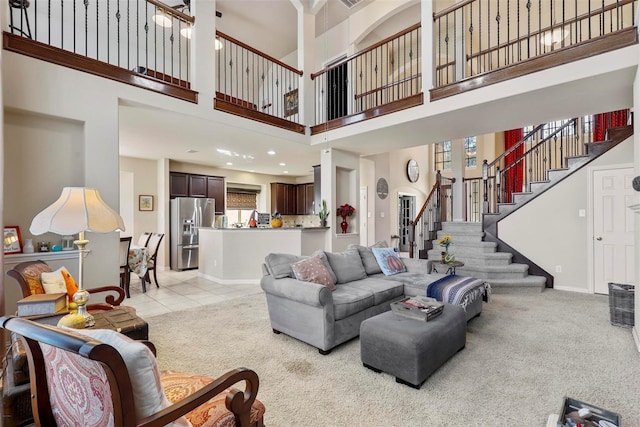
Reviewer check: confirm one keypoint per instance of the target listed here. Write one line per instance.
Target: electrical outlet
(381, 214)
(582, 213)
(558, 269)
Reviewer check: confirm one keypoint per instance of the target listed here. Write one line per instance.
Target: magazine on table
(418, 307)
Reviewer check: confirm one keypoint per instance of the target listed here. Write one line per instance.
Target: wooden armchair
(105, 375)
(27, 274)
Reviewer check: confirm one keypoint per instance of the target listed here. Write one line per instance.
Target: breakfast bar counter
(236, 255)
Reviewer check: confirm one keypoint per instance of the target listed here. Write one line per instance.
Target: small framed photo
(145, 203)
(291, 103)
(12, 239)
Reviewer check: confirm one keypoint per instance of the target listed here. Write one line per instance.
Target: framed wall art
(145, 203)
(291, 103)
(12, 239)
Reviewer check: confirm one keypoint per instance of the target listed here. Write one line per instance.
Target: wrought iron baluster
(498, 29)
(118, 16)
(86, 27)
(146, 36)
(471, 39)
(61, 24)
(48, 22)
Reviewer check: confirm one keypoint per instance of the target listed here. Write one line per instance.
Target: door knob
(598, 238)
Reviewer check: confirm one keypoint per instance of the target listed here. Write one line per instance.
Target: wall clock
(382, 188)
(413, 171)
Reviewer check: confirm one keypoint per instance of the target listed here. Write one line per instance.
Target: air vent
(350, 3)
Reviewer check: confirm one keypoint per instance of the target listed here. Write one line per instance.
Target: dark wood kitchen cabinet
(197, 186)
(178, 184)
(215, 190)
(292, 199)
(305, 199)
(194, 185)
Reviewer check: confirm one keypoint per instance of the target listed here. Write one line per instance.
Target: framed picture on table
(12, 240)
(145, 203)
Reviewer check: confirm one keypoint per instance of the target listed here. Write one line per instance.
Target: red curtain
(512, 182)
(604, 121)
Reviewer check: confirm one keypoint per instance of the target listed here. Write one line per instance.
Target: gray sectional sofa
(323, 318)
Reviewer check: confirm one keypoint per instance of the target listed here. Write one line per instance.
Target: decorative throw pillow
(70, 282)
(148, 393)
(313, 270)
(347, 265)
(279, 265)
(389, 261)
(53, 282)
(369, 261)
(323, 256)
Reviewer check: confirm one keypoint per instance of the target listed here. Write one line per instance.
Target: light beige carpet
(523, 355)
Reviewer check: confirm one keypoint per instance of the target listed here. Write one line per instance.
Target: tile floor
(180, 290)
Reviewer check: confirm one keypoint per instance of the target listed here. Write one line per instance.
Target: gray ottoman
(411, 349)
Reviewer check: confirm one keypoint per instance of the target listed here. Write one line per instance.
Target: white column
(426, 8)
(457, 170)
(203, 58)
(306, 61)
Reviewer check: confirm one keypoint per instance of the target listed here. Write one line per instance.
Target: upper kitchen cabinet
(292, 199)
(194, 185)
(215, 190)
(178, 184)
(197, 186)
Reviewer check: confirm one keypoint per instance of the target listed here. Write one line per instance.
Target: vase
(344, 225)
(443, 255)
(28, 246)
(323, 223)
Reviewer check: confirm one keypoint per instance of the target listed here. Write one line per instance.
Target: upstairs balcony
(469, 45)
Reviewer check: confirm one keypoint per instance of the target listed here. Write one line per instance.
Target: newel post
(485, 186)
(412, 237)
(438, 194)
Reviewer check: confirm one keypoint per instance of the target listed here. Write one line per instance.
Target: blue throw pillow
(389, 261)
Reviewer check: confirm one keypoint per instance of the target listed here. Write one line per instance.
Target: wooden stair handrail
(435, 190)
(516, 145)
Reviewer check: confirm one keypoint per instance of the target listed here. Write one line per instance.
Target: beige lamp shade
(78, 209)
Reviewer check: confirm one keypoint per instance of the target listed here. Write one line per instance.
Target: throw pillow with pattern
(313, 270)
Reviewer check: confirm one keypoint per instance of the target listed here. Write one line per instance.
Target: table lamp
(78, 209)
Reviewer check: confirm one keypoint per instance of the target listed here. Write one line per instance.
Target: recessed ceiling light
(251, 170)
(221, 151)
(229, 164)
(285, 171)
(271, 152)
(283, 164)
(191, 151)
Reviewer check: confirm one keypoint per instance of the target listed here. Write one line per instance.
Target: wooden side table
(446, 267)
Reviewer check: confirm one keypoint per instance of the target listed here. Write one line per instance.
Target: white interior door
(613, 228)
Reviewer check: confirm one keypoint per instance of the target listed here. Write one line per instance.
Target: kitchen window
(240, 204)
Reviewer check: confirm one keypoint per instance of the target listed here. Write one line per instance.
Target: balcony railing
(146, 37)
(255, 85)
(387, 74)
(474, 37)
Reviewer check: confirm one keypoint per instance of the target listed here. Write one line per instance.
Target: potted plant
(323, 214)
(344, 211)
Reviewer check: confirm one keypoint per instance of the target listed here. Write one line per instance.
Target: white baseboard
(636, 337)
(570, 289)
(229, 281)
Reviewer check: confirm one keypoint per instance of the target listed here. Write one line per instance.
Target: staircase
(485, 256)
(482, 259)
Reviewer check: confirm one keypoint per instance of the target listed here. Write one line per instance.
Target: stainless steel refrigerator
(187, 215)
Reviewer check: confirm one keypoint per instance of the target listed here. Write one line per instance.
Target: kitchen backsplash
(300, 220)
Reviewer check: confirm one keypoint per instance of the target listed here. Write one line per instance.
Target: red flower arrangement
(345, 210)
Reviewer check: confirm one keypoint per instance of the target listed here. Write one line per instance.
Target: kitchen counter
(236, 255)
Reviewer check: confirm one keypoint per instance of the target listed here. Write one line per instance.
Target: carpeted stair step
(532, 283)
(496, 259)
(511, 271)
(463, 248)
(457, 237)
(451, 227)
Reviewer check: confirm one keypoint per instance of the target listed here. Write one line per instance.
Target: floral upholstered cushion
(78, 388)
(214, 413)
(313, 270)
(147, 389)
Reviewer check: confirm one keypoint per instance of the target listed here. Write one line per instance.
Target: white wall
(549, 231)
(144, 182)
